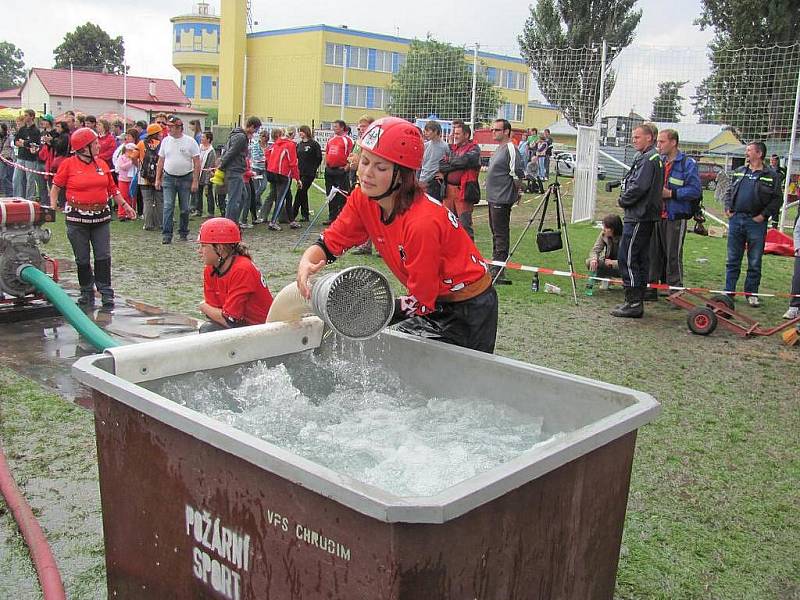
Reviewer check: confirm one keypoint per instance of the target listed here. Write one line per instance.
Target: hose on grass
(42, 556)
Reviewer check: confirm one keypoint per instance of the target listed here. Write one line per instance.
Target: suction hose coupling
(356, 302)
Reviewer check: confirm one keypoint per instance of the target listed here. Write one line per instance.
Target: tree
(435, 79)
(561, 44)
(89, 48)
(667, 105)
(748, 87)
(12, 66)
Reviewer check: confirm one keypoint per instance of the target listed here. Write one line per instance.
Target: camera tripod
(554, 189)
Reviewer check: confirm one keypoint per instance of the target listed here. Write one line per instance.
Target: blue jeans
(236, 196)
(542, 168)
(743, 230)
(29, 185)
(6, 180)
(182, 186)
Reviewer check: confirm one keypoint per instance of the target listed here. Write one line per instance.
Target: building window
(188, 88)
(359, 58)
(355, 96)
(205, 88)
(383, 61)
(334, 54)
(513, 80)
(332, 95)
(511, 112)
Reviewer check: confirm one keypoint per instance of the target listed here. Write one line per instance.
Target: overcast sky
(147, 31)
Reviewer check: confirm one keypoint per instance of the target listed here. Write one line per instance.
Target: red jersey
(425, 247)
(283, 159)
(108, 143)
(337, 150)
(85, 185)
(241, 293)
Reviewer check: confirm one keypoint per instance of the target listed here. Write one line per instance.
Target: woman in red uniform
(235, 291)
(450, 296)
(88, 184)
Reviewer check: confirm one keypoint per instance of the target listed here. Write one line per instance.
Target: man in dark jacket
(234, 164)
(641, 199)
(752, 198)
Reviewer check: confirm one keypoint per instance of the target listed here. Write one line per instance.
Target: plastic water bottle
(590, 283)
(535, 283)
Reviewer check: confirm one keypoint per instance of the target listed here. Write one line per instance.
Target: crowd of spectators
(264, 174)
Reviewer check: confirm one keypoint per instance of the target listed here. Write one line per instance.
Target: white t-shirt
(178, 154)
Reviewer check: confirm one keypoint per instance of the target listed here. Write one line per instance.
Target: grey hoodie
(235, 153)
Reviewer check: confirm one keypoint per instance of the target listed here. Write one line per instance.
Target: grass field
(713, 508)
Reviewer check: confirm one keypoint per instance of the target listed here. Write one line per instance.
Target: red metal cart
(706, 313)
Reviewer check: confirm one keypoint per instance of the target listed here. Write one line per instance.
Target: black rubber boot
(634, 304)
(86, 282)
(102, 276)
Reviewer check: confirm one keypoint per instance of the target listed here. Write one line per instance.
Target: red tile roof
(87, 84)
(11, 93)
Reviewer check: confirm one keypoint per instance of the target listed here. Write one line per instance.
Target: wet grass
(714, 495)
(50, 447)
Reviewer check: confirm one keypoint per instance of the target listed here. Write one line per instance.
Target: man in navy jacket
(679, 196)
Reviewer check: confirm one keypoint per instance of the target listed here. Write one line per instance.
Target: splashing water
(351, 415)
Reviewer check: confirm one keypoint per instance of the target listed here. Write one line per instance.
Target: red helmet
(396, 140)
(219, 230)
(81, 138)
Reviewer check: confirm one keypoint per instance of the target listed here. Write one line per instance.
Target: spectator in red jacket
(282, 163)
(107, 141)
(337, 150)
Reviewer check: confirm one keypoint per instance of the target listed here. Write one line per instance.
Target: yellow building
(540, 116)
(312, 75)
(299, 74)
(196, 53)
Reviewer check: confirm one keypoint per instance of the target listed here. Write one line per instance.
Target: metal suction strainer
(356, 302)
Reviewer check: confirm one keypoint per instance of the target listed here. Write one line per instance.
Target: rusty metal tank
(193, 508)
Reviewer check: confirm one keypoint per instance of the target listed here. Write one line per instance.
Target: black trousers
(634, 254)
(300, 206)
(499, 223)
(469, 324)
(336, 178)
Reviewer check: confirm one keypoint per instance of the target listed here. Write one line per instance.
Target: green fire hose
(67, 307)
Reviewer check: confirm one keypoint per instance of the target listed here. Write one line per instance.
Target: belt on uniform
(97, 207)
(469, 291)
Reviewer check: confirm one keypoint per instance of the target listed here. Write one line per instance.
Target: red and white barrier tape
(655, 286)
(49, 174)
(26, 169)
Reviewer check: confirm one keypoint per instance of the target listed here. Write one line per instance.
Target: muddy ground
(714, 493)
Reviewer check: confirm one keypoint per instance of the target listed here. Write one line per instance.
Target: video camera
(614, 183)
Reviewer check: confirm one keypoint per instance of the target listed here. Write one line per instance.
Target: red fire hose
(43, 559)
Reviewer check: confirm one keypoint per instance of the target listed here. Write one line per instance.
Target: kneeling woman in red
(450, 296)
(235, 291)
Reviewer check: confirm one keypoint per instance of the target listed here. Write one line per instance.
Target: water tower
(196, 54)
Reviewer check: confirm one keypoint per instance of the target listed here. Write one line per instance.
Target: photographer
(27, 183)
